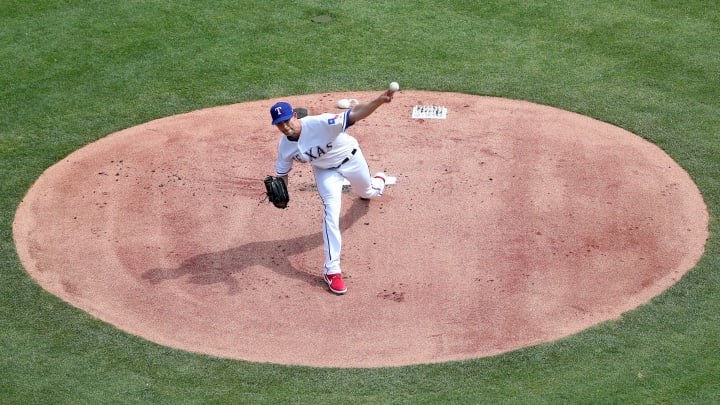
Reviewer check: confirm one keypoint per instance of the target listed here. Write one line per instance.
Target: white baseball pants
(330, 184)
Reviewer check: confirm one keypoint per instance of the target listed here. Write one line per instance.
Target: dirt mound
(511, 224)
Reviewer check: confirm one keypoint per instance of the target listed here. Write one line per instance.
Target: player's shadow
(220, 267)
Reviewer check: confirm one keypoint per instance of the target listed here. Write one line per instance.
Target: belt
(347, 159)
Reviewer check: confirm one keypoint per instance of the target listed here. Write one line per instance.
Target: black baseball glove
(277, 191)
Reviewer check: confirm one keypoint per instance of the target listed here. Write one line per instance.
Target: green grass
(75, 71)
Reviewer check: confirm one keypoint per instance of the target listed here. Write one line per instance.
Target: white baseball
(343, 103)
(394, 86)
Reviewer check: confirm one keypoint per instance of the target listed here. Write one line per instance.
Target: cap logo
(281, 111)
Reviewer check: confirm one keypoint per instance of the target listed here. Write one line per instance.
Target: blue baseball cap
(280, 112)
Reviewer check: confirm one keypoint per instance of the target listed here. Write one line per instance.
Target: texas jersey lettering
(313, 153)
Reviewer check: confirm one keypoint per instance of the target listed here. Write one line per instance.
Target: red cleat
(336, 283)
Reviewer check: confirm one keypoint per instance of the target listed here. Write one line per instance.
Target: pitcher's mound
(510, 224)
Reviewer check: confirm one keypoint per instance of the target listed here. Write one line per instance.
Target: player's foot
(336, 283)
(381, 176)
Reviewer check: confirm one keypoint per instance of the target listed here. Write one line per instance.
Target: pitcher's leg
(329, 183)
(358, 174)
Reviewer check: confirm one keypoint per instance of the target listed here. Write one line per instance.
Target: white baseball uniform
(334, 156)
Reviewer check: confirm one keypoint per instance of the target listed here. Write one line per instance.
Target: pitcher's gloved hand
(277, 191)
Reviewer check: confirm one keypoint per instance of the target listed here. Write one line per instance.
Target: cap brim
(282, 118)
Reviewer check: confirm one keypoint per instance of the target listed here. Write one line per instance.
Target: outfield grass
(75, 71)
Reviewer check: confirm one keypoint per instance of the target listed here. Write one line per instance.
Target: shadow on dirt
(225, 266)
